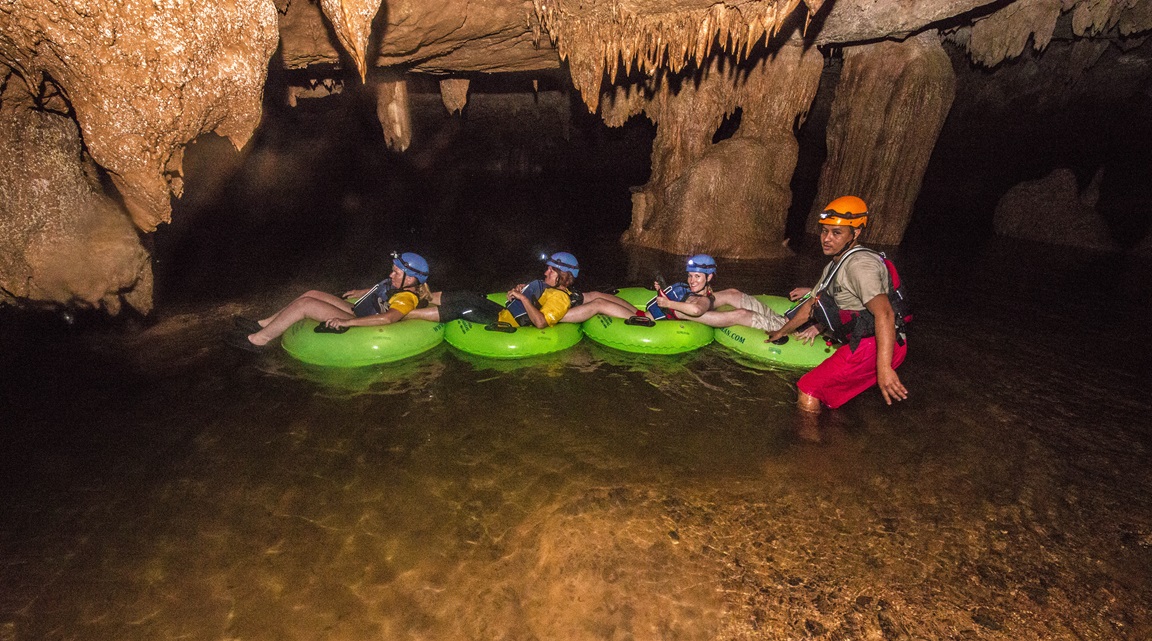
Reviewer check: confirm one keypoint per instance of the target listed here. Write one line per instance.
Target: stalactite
(352, 21)
(591, 36)
(394, 113)
(454, 93)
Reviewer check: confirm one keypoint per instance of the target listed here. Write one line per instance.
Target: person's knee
(728, 297)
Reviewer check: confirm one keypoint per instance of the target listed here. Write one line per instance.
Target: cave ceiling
(143, 78)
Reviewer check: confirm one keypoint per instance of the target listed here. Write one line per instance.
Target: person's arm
(803, 313)
(387, 318)
(886, 377)
(694, 306)
(399, 305)
(798, 293)
(534, 314)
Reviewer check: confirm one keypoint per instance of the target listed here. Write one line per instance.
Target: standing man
(857, 281)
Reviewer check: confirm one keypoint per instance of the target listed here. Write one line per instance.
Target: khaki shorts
(762, 317)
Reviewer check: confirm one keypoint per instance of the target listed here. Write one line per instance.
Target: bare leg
(304, 307)
(728, 297)
(593, 296)
(429, 313)
(313, 294)
(599, 305)
(726, 319)
(808, 403)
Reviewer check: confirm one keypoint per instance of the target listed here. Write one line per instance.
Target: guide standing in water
(854, 302)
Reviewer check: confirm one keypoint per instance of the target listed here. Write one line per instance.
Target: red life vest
(852, 326)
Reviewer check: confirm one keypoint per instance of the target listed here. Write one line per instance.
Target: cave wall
(890, 105)
(140, 80)
(61, 239)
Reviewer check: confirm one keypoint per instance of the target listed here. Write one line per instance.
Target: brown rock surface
(1054, 210)
(144, 79)
(61, 239)
(890, 105)
(729, 198)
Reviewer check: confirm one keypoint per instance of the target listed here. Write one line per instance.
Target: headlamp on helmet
(412, 265)
(701, 264)
(845, 210)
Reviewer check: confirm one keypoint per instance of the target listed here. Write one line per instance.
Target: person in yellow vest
(541, 303)
(390, 301)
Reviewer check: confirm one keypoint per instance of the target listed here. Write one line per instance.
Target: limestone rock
(61, 239)
(144, 78)
(352, 21)
(724, 204)
(747, 177)
(1054, 210)
(889, 108)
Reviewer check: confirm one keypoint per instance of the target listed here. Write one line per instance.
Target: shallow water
(158, 485)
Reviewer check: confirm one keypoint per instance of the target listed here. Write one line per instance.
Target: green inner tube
(524, 342)
(666, 337)
(750, 341)
(360, 346)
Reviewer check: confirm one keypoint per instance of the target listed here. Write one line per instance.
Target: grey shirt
(862, 278)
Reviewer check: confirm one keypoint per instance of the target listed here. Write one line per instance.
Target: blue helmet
(701, 263)
(412, 264)
(565, 262)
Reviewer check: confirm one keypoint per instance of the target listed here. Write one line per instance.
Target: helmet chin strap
(850, 245)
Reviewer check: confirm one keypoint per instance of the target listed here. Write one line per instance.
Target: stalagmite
(890, 104)
(394, 113)
(729, 198)
(67, 244)
(454, 93)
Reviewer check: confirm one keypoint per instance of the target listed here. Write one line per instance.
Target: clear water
(157, 485)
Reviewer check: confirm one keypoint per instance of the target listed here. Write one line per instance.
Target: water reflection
(159, 486)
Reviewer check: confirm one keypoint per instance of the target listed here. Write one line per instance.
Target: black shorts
(470, 306)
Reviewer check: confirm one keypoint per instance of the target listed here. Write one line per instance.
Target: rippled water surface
(157, 485)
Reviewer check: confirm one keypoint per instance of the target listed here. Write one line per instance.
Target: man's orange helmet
(845, 210)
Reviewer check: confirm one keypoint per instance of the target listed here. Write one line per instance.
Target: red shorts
(846, 373)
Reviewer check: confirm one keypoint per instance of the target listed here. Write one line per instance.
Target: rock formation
(892, 100)
(729, 198)
(140, 80)
(1054, 209)
(61, 239)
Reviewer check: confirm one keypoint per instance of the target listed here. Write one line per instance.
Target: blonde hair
(423, 292)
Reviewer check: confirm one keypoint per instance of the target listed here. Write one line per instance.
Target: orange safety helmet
(845, 210)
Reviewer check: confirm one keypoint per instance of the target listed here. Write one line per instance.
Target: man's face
(834, 238)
